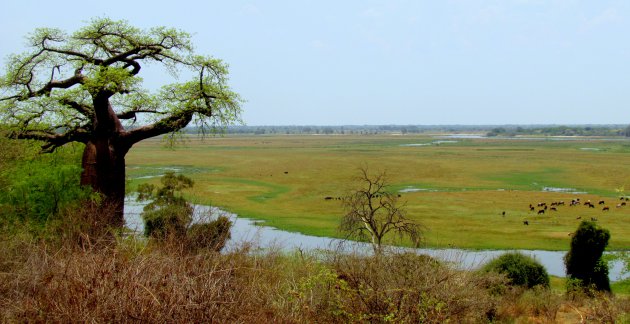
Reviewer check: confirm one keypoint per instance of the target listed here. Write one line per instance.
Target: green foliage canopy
(36, 187)
(61, 90)
(168, 213)
(521, 269)
(169, 216)
(584, 260)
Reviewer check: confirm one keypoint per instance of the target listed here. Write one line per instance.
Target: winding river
(248, 230)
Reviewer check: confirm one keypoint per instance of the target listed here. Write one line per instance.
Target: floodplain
(467, 191)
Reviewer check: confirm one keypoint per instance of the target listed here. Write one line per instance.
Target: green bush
(520, 269)
(169, 217)
(170, 221)
(35, 187)
(212, 235)
(584, 261)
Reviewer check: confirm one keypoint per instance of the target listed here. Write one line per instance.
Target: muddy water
(247, 230)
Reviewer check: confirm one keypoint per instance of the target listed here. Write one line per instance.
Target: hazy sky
(389, 62)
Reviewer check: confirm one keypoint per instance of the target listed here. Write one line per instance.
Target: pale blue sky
(390, 62)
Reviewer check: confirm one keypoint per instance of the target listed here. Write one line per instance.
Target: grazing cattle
(593, 219)
(618, 206)
(503, 213)
(532, 208)
(542, 204)
(623, 203)
(606, 208)
(545, 207)
(542, 211)
(328, 198)
(286, 172)
(579, 217)
(561, 203)
(554, 203)
(553, 208)
(601, 202)
(525, 223)
(399, 196)
(591, 206)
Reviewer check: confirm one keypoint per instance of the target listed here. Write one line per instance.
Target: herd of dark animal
(542, 207)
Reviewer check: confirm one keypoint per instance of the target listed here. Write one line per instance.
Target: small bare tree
(372, 212)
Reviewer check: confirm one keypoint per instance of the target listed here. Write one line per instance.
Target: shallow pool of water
(563, 190)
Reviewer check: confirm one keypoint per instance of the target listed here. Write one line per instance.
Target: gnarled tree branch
(168, 124)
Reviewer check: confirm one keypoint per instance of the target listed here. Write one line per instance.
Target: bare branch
(372, 212)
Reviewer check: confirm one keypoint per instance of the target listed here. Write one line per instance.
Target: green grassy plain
(462, 185)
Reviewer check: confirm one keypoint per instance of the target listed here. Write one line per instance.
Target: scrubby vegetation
(168, 217)
(126, 280)
(520, 269)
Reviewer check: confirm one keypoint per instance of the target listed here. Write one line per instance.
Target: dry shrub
(86, 227)
(602, 307)
(80, 270)
(538, 303)
(398, 287)
(109, 285)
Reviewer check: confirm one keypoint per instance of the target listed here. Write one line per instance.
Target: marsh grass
(471, 183)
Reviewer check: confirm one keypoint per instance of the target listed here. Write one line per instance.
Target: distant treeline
(488, 130)
(579, 130)
(352, 129)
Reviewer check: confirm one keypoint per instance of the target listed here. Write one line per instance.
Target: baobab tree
(86, 87)
(372, 213)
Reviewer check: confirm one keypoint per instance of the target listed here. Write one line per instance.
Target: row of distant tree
(488, 130)
(578, 130)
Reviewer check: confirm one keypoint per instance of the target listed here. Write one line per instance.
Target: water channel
(248, 230)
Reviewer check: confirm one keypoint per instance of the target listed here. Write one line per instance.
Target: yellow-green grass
(619, 288)
(467, 185)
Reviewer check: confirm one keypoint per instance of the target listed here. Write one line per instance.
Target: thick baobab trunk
(104, 161)
(104, 170)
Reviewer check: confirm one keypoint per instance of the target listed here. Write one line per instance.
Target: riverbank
(248, 230)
